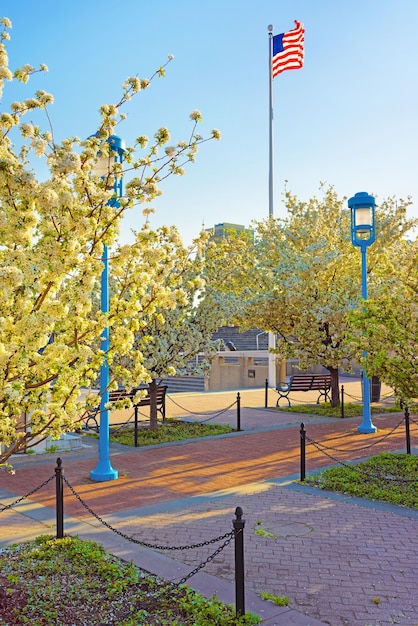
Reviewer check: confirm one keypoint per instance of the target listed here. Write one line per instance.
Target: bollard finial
(239, 512)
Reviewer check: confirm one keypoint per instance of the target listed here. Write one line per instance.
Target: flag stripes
(288, 51)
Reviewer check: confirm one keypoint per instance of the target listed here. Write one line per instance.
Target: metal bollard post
(342, 401)
(238, 411)
(238, 525)
(302, 452)
(408, 434)
(136, 427)
(59, 499)
(266, 394)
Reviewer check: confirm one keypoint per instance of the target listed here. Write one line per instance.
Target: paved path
(340, 561)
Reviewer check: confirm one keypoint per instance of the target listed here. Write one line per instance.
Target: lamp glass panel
(103, 165)
(363, 217)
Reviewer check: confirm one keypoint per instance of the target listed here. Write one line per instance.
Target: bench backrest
(321, 382)
(300, 382)
(120, 394)
(306, 382)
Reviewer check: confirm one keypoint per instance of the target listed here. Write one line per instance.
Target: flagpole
(271, 336)
(270, 30)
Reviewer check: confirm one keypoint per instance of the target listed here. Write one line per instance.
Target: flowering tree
(384, 330)
(303, 277)
(52, 235)
(176, 315)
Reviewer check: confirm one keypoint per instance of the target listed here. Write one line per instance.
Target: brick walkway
(340, 561)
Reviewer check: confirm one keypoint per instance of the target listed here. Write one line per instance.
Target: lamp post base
(367, 429)
(103, 472)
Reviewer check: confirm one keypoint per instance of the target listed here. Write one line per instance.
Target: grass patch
(73, 582)
(170, 430)
(386, 477)
(265, 533)
(325, 409)
(278, 600)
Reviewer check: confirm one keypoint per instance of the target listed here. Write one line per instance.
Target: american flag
(288, 50)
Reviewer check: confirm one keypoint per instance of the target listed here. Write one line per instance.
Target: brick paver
(340, 563)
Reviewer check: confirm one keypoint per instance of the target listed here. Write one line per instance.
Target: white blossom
(196, 116)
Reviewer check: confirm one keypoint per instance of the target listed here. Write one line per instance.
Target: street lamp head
(117, 145)
(105, 161)
(103, 165)
(363, 228)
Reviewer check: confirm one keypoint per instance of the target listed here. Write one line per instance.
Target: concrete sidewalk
(339, 560)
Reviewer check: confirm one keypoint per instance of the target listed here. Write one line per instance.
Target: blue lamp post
(363, 234)
(104, 470)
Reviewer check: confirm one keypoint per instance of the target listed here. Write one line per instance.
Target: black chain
(355, 468)
(411, 419)
(113, 428)
(227, 536)
(209, 419)
(137, 541)
(182, 581)
(294, 401)
(9, 506)
(347, 395)
(388, 395)
(360, 447)
(209, 559)
(216, 413)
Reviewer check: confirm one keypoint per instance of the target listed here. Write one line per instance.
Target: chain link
(209, 558)
(227, 536)
(393, 480)
(9, 506)
(366, 447)
(347, 395)
(137, 541)
(117, 427)
(182, 581)
(411, 419)
(216, 413)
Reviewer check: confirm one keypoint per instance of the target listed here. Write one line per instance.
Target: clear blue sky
(349, 117)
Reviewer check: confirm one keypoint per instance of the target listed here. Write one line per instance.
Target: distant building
(221, 231)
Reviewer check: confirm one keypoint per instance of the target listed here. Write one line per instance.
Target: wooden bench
(121, 394)
(305, 382)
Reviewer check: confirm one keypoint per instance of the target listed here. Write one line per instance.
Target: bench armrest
(283, 386)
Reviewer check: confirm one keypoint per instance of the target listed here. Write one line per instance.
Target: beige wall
(241, 370)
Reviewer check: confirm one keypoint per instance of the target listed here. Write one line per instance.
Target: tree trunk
(153, 415)
(335, 386)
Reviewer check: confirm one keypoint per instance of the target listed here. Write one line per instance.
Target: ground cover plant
(170, 430)
(74, 582)
(351, 409)
(388, 477)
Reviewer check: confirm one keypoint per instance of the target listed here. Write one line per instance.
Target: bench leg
(136, 426)
(278, 401)
(86, 424)
(323, 394)
(163, 409)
